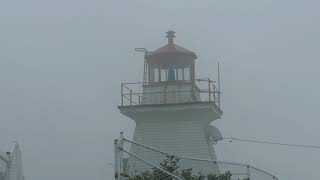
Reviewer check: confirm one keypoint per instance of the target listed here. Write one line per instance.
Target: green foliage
(171, 165)
(226, 176)
(142, 176)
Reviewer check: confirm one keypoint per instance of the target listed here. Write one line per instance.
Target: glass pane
(155, 75)
(180, 77)
(171, 74)
(164, 75)
(186, 72)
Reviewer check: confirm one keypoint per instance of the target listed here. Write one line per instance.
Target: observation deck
(171, 99)
(166, 93)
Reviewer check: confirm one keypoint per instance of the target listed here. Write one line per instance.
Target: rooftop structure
(10, 164)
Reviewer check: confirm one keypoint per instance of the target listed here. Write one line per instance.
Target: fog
(62, 62)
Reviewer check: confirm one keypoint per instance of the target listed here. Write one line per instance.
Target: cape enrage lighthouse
(172, 109)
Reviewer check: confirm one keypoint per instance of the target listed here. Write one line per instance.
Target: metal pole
(248, 171)
(149, 73)
(144, 64)
(130, 97)
(121, 94)
(219, 93)
(144, 69)
(139, 100)
(116, 160)
(214, 92)
(165, 94)
(121, 155)
(209, 89)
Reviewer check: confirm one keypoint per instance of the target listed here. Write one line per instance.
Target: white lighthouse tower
(172, 112)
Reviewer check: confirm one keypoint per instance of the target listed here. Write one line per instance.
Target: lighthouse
(172, 109)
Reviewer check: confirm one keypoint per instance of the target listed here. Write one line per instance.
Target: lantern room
(169, 78)
(170, 64)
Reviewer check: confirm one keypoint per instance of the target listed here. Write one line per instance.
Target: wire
(230, 139)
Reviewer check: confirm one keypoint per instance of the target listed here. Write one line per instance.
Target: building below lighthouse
(10, 164)
(172, 109)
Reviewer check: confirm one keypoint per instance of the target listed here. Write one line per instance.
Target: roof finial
(170, 36)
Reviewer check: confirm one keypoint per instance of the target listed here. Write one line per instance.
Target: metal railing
(122, 156)
(132, 93)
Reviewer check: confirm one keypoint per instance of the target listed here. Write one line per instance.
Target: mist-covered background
(62, 62)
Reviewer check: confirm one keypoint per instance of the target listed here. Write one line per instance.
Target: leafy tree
(171, 165)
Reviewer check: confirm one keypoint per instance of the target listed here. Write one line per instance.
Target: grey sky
(62, 61)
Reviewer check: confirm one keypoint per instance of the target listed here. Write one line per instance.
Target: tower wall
(179, 132)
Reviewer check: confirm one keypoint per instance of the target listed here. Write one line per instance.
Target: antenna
(145, 68)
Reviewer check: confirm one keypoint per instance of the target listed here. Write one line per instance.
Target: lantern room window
(161, 73)
(156, 77)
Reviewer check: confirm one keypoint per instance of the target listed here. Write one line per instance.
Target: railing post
(139, 99)
(121, 94)
(214, 93)
(209, 89)
(248, 171)
(130, 97)
(116, 160)
(219, 97)
(165, 94)
(121, 156)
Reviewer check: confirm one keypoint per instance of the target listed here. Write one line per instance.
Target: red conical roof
(172, 48)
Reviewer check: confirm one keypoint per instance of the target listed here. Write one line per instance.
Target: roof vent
(170, 36)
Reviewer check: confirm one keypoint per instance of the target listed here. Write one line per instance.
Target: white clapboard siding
(176, 128)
